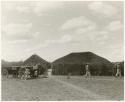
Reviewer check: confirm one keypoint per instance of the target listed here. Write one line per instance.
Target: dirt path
(59, 88)
(47, 89)
(107, 88)
(83, 90)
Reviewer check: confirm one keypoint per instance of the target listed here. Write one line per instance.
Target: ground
(59, 88)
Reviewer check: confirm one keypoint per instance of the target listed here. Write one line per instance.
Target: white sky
(54, 29)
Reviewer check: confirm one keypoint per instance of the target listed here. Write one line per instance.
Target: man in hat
(118, 70)
(88, 74)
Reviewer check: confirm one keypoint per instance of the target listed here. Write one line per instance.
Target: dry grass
(60, 88)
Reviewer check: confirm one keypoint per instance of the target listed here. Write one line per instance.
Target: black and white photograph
(62, 50)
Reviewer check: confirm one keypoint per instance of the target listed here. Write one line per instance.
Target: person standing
(36, 73)
(118, 70)
(87, 69)
(27, 73)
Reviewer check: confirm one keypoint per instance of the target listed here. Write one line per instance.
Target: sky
(54, 29)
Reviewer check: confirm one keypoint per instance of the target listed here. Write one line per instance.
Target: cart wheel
(5, 73)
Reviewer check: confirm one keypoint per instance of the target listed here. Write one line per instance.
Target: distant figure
(36, 73)
(49, 72)
(118, 70)
(88, 74)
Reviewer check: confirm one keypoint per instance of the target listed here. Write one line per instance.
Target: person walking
(88, 74)
(118, 70)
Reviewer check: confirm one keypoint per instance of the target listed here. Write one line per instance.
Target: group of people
(24, 73)
(28, 73)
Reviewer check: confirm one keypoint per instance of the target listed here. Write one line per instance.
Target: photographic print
(62, 50)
